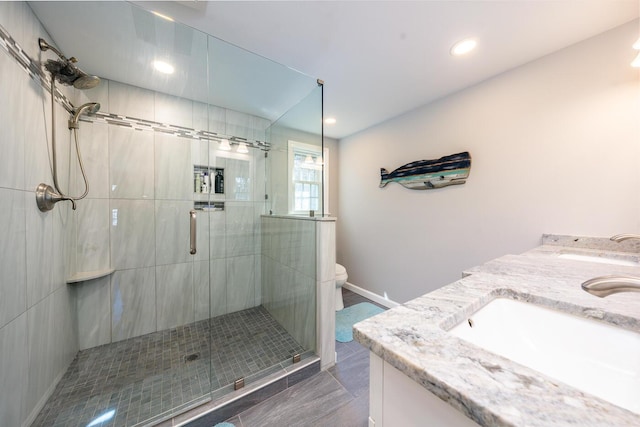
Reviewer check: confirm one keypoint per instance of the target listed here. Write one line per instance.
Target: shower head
(65, 71)
(89, 107)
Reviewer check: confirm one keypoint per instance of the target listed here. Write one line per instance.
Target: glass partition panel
(297, 160)
(252, 334)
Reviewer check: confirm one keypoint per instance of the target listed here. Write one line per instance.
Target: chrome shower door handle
(192, 231)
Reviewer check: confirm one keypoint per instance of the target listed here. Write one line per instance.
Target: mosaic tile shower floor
(142, 377)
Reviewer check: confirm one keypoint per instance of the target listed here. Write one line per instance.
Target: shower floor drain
(191, 357)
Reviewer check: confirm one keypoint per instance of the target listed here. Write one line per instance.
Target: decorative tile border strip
(34, 70)
(31, 67)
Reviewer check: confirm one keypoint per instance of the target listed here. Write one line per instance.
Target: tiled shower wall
(298, 279)
(136, 218)
(38, 336)
(289, 275)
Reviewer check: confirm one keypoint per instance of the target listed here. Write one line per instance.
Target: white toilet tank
(341, 275)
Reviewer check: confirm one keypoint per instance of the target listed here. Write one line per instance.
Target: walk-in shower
(65, 71)
(125, 324)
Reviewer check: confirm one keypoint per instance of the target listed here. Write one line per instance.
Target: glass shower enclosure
(202, 292)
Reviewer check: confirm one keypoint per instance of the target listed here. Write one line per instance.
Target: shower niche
(208, 180)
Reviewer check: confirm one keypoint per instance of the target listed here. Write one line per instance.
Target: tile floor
(139, 378)
(338, 397)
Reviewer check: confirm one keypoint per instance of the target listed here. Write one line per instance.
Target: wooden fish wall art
(430, 174)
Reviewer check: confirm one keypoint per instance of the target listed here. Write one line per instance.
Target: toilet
(341, 278)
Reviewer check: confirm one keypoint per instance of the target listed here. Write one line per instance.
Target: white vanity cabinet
(397, 400)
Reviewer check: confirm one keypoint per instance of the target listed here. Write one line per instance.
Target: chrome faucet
(607, 285)
(621, 237)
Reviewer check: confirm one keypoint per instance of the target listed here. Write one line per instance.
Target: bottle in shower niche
(197, 182)
(219, 182)
(205, 183)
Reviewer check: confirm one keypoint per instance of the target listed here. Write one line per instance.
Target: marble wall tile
(217, 120)
(133, 299)
(93, 139)
(238, 179)
(12, 144)
(240, 283)
(200, 115)
(39, 250)
(93, 308)
(304, 311)
(62, 220)
(326, 322)
(131, 166)
(326, 250)
(173, 168)
(203, 224)
(240, 239)
(172, 232)
(132, 233)
(99, 94)
(65, 329)
(37, 136)
(218, 287)
(32, 30)
(217, 233)
(239, 124)
(12, 18)
(131, 101)
(92, 249)
(175, 296)
(245, 125)
(173, 110)
(14, 370)
(200, 153)
(13, 265)
(42, 337)
(259, 177)
(257, 280)
(201, 296)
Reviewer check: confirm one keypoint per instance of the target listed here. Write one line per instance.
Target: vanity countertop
(490, 389)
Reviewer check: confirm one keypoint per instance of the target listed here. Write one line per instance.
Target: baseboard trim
(370, 295)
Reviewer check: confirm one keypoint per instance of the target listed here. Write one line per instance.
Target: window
(306, 164)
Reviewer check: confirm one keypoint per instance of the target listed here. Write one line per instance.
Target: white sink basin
(591, 356)
(599, 259)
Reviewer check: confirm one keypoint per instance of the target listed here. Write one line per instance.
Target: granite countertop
(490, 389)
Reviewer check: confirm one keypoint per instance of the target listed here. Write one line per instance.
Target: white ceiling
(378, 59)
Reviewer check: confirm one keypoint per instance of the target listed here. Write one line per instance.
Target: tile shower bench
(422, 375)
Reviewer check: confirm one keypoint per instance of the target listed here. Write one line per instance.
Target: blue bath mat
(225, 424)
(346, 318)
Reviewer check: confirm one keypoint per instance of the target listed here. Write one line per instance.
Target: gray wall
(555, 150)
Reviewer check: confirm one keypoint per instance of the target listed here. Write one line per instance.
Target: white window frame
(314, 150)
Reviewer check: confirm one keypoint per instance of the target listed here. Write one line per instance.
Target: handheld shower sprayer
(89, 107)
(67, 73)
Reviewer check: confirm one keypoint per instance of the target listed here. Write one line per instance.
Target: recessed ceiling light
(463, 47)
(330, 121)
(160, 15)
(163, 67)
